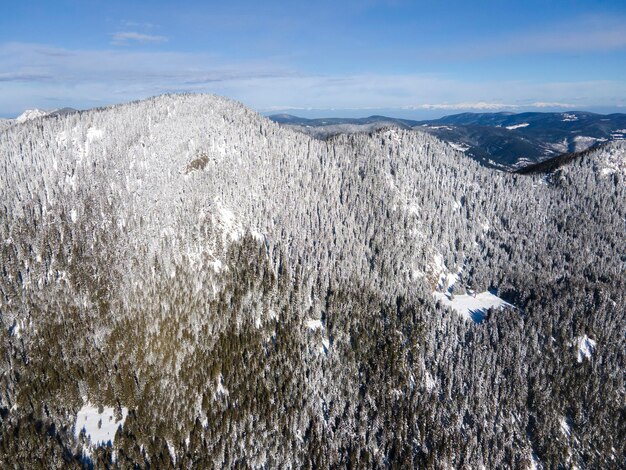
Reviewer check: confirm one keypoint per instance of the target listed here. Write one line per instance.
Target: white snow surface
(30, 114)
(460, 147)
(172, 451)
(88, 419)
(472, 307)
(586, 347)
(313, 324)
(565, 428)
(517, 126)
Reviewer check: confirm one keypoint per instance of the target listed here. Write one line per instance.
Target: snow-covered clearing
(100, 428)
(472, 307)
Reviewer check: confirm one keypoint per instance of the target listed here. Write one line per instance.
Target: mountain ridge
(501, 140)
(233, 291)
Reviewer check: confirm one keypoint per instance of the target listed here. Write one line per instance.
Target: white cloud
(549, 104)
(482, 105)
(35, 75)
(466, 105)
(122, 38)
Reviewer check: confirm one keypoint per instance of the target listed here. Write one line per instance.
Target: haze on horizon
(351, 58)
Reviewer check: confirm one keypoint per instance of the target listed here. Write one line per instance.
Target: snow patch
(472, 307)
(586, 347)
(429, 382)
(565, 427)
(460, 147)
(100, 428)
(172, 451)
(517, 126)
(313, 324)
(567, 117)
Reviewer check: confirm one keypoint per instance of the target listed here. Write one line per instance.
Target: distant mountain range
(35, 113)
(507, 141)
(501, 140)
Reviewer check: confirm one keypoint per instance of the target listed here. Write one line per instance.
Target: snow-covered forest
(214, 290)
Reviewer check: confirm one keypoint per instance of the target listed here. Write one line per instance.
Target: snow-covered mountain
(226, 291)
(30, 114)
(508, 141)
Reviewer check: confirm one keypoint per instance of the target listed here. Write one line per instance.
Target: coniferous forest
(186, 284)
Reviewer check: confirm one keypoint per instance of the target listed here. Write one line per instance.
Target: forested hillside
(185, 283)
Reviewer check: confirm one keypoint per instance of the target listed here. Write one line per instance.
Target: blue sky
(356, 58)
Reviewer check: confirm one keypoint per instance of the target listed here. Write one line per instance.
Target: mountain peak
(31, 114)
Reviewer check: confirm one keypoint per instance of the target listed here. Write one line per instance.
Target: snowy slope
(30, 114)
